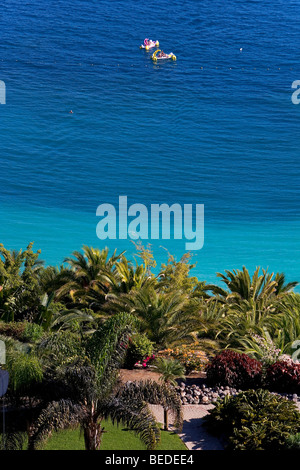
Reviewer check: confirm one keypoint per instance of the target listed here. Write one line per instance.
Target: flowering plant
(266, 349)
(145, 362)
(188, 355)
(140, 351)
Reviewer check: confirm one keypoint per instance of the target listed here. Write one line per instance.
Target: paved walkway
(193, 433)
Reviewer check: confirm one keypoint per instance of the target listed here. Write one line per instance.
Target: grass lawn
(116, 438)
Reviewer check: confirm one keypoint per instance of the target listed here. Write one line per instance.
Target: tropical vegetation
(69, 329)
(255, 420)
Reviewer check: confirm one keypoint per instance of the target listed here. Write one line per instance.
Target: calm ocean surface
(217, 127)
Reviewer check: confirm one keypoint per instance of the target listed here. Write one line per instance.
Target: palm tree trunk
(92, 435)
(166, 422)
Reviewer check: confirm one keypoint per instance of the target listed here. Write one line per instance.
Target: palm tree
(89, 270)
(86, 400)
(242, 287)
(124, 278)
(287, 326)
(52, 320)
(19, 287)
(157, 394)
(164, 317)
(51, 278)
(283, 287)
(84, 391)
(170, 370)
(128, 277)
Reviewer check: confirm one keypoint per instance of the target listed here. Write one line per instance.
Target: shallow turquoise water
(215, 127)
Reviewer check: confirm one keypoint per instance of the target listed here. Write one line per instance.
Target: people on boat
(162, 54)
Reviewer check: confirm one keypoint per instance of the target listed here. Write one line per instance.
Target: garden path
(193, 433)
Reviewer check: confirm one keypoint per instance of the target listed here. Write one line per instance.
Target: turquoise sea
(217, 127)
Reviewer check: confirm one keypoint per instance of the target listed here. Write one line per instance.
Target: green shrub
(13, 329)
(254, 420)
(24, 369)
(140, 348)
(22, 331)
(32, 332)
(293, 442)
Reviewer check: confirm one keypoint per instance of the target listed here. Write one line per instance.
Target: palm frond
(63, 414)
(156, 394)
(136, 416)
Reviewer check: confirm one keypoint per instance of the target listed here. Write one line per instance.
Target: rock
(205, 400)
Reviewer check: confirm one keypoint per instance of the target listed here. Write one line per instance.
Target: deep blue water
(217, 127)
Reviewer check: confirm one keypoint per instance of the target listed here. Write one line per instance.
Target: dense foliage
(140, 348)
(172, 305)
(235, 370)
(254, 420)
(283, 376)
(22, 331)
(62, 323)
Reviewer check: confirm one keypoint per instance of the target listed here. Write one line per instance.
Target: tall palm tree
(170, 370)
(84, 391)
